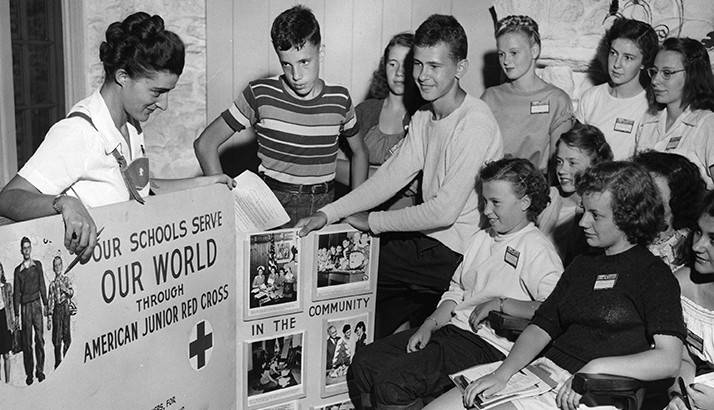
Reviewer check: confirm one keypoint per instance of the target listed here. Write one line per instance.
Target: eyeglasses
(666, 74)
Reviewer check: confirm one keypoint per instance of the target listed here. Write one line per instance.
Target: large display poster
(151, 322)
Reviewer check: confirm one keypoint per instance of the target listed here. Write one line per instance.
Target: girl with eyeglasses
(617, 106)
(681, 95)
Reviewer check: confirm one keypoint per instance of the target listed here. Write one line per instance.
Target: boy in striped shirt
(297, 119)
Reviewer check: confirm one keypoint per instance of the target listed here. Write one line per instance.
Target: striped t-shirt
(297, 139)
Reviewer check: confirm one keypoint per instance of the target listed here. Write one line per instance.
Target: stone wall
(169, 134)
(571, 31)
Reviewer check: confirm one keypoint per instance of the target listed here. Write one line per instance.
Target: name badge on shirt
(540, 107)
(511, 256)
(672, 143)
(605, 281)
(695, 341)
(624, 125)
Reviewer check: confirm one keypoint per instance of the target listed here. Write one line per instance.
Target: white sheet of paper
(256, 207)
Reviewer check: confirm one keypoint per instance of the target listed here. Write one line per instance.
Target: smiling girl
(617, 106)
(530, 112)
(510, 267)
(614, 311)
(697, 283)
(577, 150)
(97, 155)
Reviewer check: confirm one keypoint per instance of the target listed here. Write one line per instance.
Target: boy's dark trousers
(60, 331)
(301, 201)
(32, 319)
(414, 271)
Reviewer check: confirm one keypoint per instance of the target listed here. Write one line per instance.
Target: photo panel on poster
(275, 369)
(272, 282)
(339, 405)
(341, 338)
(345, 262)
(47, 262)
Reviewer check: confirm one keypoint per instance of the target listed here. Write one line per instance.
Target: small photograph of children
(36, 309)
(275, 368)
(343, 262)
(273, 278)
(341, 405)
(342, 338)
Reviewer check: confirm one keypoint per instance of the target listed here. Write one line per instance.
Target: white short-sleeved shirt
(617, 118)
(523, 265)
(690, 136)
(77, 159)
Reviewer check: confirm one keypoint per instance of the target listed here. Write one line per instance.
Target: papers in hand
(532, 380)
(256, 207)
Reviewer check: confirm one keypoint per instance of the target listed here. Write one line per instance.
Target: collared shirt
(690, 136)
(77, 158)
(60, 292)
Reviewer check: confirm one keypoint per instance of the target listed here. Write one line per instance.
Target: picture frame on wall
(345, 262)
(341, 338)
(338, 405)
(275, 368)
(272, 283)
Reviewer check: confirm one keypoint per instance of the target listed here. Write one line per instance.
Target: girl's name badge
(605, 281)
(672, 143)
(540, 107)
(624, 125)
(511, 256)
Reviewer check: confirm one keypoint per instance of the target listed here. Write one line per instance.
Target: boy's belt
(321, 188)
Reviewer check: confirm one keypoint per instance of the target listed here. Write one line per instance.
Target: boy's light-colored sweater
(451, 152)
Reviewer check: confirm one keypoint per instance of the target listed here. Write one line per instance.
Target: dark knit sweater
(586, 323)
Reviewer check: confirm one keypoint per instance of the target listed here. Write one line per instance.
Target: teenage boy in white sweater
(449, 139)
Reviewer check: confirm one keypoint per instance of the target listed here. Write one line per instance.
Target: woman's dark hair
(636, 204)
(379, 88)
(141, 45)
(2, 274)
(294, 27)
(684, 181)
(519, 24)
(698, 92)
(588, 139)
(705, 207)
(640, 33)
(439, 28)
(525, 179)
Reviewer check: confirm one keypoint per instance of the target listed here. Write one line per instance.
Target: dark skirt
(5, 335)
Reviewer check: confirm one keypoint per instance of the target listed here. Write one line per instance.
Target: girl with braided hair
(530, 112)
(96, 155)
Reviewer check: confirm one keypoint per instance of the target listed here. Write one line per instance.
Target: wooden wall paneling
(396, 17)
(220, 52)
(421, 9)
(253, 51)
(366, 45)
(474, 16)
(337, 38)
